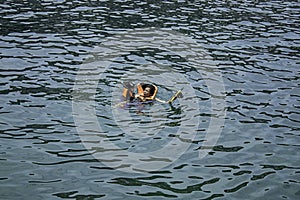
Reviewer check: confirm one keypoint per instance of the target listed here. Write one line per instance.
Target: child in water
(145, 92)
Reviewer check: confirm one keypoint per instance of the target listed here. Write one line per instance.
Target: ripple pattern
(254, 44)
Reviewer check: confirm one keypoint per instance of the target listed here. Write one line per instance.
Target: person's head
(147, 92)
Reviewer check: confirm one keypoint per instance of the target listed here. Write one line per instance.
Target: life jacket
(153, 91)
(129, 95)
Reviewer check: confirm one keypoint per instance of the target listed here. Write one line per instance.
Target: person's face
(147, 92)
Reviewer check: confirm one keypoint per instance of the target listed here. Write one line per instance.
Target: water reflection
(255, 45)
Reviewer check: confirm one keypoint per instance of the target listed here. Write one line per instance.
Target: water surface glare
(238, 63)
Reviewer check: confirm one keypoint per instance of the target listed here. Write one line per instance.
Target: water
(46, 49)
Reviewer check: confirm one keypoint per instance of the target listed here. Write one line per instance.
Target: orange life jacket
(127, 94)
(140, 89)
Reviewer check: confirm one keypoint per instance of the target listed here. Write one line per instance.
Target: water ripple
(255, 45)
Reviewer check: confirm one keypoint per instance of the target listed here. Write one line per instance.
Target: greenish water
(62, 64)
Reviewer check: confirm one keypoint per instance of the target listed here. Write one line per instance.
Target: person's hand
(128, 84)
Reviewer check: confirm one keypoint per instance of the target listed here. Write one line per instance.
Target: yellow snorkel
(173, 98)
(178, 94)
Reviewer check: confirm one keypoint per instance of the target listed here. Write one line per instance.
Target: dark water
(46, 45)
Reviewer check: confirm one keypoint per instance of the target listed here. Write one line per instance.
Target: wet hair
(152, 88)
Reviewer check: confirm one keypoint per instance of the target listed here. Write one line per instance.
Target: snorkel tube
(128, 87)
(178, 94)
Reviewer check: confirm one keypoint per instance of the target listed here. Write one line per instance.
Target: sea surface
(66, 134)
